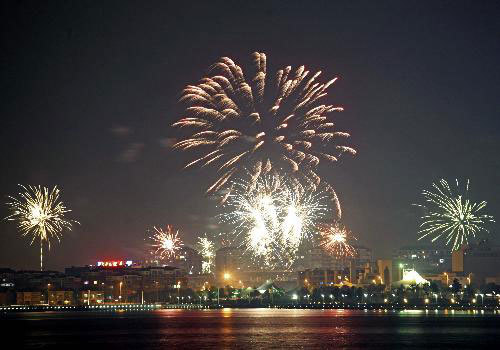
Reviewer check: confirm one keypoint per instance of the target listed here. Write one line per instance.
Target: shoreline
(157, 307)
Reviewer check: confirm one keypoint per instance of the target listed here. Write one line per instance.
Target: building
(61, 297)
(199, 282)
(423, 258)
(385, 271)
(30, 298)
(229, 263)
(7, 297)
(479, 262)
(91, 297)
(363, 255)
(315, 278)
(189, 260)
(317, 258)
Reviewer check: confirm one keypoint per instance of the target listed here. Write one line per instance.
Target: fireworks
(166, 243)
(263, 123)
(39, 213)
(452, 215)
(335, 240)
(207, 251)
(274, 216)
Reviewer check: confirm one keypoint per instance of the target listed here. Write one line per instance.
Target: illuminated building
(317, 258)
(189, 260)
(29, 298)
(314, 278)
(61, 297)
(411, 277)
(229, 260)
(115, 263)
(424, 258)
(91, 297)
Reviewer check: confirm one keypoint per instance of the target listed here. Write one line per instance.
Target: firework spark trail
(263, 122)
(166, 243)
(452, 215)
(335, 240)
(207, 252)
(273, 216)
(39, 213)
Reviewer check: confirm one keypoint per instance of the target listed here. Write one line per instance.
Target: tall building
(363, 255)
(385, 271)
(480, 261)
(316, 258)
(423, 258)
(189, 260)
(230, 263)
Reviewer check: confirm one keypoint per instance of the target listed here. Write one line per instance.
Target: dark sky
(89, 90)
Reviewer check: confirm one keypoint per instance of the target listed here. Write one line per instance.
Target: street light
(178, 286)
(120, 297)
(156, 285)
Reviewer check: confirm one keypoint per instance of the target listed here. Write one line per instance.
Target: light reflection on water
(253, 329)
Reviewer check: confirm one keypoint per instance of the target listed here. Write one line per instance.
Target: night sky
(89, 90)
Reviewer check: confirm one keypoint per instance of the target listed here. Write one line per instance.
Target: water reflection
(255, 329)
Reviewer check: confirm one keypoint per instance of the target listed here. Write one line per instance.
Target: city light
(115, 263)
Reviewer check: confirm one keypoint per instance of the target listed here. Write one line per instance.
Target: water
(251, 329)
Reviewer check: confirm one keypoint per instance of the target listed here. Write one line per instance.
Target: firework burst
(335, 240)
(207, 252)
(451, 215)
(263, 123)
(39, 213)
(273, 216)
(166, 243)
